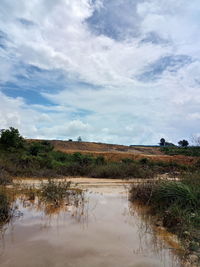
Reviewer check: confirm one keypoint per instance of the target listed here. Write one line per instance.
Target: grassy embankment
(176, 206)
(39, 159)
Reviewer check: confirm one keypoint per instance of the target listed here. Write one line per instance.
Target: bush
(120, 170)
(37, 148)
(53, 191)
(5, 178)
(176, 204)
(144, 161)
(127, 161)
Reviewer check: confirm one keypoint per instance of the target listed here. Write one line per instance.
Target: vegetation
(20, 157)
(164, 143)
(11, 139)
(5, 210)
(5, 178)
(55, 191)
(176, 204)
(39, 159)
(183, 143)
(193, 151)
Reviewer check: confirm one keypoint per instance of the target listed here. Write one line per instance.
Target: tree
(183, 143)
(162, 142)
(10, 138)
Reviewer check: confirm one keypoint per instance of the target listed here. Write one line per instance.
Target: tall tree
(183, 143)
(162, 142)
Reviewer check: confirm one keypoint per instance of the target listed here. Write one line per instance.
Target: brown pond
(104, 230)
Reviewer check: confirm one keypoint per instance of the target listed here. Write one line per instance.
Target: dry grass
(117, 153)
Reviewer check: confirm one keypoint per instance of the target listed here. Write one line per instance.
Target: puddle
(103, 230)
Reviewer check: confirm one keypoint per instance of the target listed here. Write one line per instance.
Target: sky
(114, 71)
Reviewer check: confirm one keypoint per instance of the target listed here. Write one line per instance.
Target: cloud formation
(111, 71)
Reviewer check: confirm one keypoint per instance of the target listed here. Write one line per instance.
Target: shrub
(127, 161)
(144, 161)
(40, 147)
(5, 178)
(55, 191)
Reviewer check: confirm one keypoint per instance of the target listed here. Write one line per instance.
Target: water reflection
(156, 238)
(98, 227)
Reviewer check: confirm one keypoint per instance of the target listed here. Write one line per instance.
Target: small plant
(55, 191)
(144, 161)
(127, 161)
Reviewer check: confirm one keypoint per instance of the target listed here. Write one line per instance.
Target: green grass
(186, 151)
(39, 159)
(176, 203)
(49, 163)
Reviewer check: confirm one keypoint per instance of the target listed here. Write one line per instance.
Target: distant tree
(162, 142)
(70, 140)
(11, 138)
(79, 139)
(183, 143)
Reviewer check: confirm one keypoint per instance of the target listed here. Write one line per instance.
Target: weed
(5, 210)
(176, 203)
(55, 191)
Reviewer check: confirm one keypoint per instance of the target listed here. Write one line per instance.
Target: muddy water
(104, 230)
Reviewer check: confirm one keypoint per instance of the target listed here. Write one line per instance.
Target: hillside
(115, 152)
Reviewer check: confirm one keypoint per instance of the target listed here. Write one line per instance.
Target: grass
(186, 151)
(55, 191)
(40, 160)
(5, 210)
(5, 178)
(51, 197)
(176, 203)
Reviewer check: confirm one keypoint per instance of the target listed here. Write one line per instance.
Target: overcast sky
(116, 71)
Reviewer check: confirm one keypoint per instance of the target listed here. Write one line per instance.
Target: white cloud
(123, 109)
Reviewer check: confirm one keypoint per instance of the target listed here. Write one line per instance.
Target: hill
(114, 152)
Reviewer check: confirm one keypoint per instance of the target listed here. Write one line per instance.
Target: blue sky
(116, 71)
